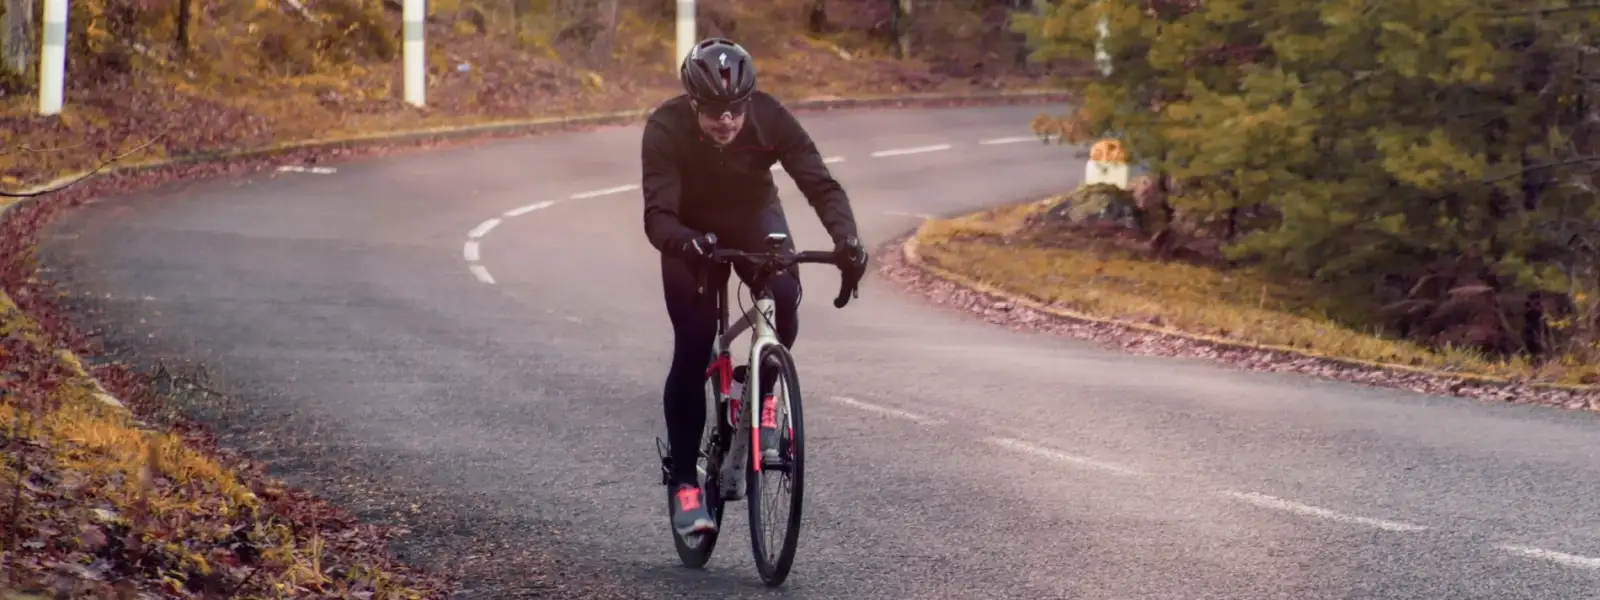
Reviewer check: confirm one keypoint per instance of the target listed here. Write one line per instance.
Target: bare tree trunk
(16, 39)
(185, 10)
(611, 31)
(817, 16)
(1038, 8)
(902, 28)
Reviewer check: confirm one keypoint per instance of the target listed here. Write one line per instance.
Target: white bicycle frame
(759, 320)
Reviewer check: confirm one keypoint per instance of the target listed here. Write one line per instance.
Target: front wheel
(789, 467)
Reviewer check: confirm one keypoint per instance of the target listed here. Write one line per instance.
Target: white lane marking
(481, 273)
(886, 411)
(904, 151)
(611, 190)
(522, 210)
(902, 213)
(1561, 558)
(1008, 140)
(471, 250)
(827, 161)
(302, 169)
(1265, 501)
(1059, 456)
(483, 228)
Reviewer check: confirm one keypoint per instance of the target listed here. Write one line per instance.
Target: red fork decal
(755, 439)
(723, 365)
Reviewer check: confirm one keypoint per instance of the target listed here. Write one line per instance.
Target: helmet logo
(722, 59)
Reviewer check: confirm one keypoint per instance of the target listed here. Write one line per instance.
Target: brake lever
(854, 287)
(700, 277)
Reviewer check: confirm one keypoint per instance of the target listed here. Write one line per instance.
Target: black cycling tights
(694, 325)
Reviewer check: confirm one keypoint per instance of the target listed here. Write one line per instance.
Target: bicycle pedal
(666, 461)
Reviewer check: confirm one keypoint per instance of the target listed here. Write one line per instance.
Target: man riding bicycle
(707, 156)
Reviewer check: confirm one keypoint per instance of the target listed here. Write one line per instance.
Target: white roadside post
(53, 60)
(1108, 160)
(413, 13)
(1101, 57)
(685, 31)
(1108, 164)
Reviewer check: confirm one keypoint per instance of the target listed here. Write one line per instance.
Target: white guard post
(685, 32)
(1108, 163)
(53, 60)
(413, 14)
(1102, 58)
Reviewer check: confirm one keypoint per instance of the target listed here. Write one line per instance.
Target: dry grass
(1100, 279)
(113, 504)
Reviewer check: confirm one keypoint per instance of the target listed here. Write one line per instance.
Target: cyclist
(707, 156)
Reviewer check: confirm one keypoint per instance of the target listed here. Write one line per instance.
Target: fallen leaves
(99, 504)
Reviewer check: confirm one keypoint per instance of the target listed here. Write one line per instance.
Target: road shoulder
(973, 262)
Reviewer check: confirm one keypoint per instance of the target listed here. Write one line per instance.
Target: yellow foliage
(593, 81)
(1066, 129)
(1108, 151)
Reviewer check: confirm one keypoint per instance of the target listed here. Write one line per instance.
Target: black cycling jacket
(692, 187)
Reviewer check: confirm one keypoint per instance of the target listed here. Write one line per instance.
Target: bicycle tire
(714, 442)
(774, 570)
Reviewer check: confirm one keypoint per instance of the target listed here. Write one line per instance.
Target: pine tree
(1382, 139)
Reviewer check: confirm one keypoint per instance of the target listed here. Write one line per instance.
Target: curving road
(493, 385)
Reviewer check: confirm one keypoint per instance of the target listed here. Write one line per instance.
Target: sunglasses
(715, 111)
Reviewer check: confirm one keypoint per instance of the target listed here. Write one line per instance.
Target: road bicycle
(730, 429)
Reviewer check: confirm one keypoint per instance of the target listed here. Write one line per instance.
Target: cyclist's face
(721, 123)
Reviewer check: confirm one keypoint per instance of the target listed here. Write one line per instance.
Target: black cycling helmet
(718, 72)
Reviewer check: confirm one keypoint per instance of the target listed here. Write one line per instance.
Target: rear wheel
(770, 519)
(694, 551)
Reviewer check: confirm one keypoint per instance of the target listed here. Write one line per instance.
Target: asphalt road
(507, 407)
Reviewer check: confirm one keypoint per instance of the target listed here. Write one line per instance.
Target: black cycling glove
(699, 246)
(851, 249)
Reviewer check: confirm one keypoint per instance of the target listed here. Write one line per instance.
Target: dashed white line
(483, 228)
(827, 161)
(902, 213)
(611, 190)
(1007, 140)
(1059, 456)
(472, 249)
(522, 210)
(302, 169)
(1561, 558)
(886, 411)
(481, 273)
(904, 151)
(1265, 501)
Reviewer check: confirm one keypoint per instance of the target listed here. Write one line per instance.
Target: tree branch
(80, 178)
(1541, 167)
(1543, 12)
(27, 148)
